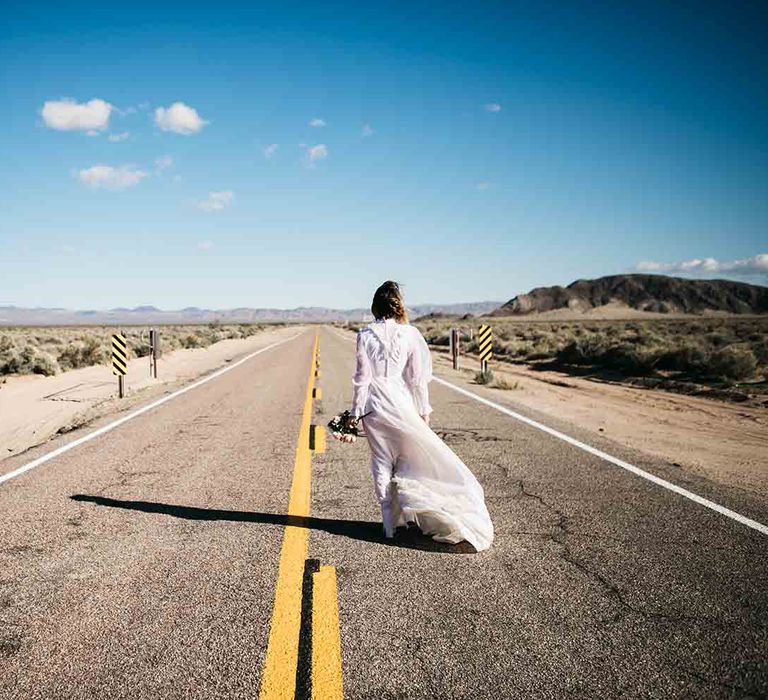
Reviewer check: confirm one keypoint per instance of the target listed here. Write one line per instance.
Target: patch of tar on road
(452, 436)
(23, 549)
(10, 644)
(126, 477)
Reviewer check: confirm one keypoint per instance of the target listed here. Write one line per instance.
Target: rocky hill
(652, 293)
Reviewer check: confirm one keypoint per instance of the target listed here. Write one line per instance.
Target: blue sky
(470, 150)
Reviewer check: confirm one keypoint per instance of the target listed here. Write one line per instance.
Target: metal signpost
(485, 346)
(455, 347)
(119, 361)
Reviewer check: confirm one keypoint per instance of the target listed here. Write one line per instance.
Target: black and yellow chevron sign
(119, 354)
(485, 342)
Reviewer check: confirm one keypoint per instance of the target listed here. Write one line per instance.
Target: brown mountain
(654, 293)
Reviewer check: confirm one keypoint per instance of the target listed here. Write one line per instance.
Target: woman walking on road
(417, 477)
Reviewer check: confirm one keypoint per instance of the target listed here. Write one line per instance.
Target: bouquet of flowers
(344, 427)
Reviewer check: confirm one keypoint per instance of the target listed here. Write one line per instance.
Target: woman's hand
(425, 418)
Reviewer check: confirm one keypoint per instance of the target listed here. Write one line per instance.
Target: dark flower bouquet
(344, 427)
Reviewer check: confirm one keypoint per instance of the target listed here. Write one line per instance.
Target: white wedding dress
(417, 477)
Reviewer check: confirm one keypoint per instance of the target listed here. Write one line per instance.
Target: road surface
(172, 557)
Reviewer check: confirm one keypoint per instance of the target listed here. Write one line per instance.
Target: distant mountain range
(649, 293)
(617, 294)
(147, 315)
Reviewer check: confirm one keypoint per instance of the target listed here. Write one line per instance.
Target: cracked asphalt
(143, 563)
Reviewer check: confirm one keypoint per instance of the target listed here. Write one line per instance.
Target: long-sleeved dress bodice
(432, 486)
(391, 355)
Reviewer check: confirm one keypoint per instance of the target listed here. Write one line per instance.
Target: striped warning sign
(485, 343)
(119, 354)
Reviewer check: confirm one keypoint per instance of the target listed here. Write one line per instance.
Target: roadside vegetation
(725, 356)
(50, 350)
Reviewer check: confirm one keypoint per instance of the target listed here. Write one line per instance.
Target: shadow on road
(366, 531)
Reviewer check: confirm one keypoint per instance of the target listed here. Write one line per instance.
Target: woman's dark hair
(388, 303)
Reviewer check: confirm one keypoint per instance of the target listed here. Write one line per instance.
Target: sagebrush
(706, 349)
(51, 350)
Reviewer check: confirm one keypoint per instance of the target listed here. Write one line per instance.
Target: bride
(416, 476)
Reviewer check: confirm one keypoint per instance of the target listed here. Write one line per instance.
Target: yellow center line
(326, 638)
(279, 678)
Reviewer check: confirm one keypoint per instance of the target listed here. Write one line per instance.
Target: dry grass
(49, 350)
(711, 351)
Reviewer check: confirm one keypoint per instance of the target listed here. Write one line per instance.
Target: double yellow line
(278, 681)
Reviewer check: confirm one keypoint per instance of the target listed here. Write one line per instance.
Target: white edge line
(111, 426)
(613, 460)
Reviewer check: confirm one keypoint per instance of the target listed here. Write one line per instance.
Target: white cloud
(757, 265)
(110, 178)
(217, 201)
(114, 138)
(204, 245)
(483, 186)
(317, 122)
(179, 118)
(366, 131)
(163, 162)
(493, 107)
(270, 150)
(68, 115)
(318, 152)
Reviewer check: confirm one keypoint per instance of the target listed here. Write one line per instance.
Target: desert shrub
(687, 357)
(734, 362)
(83, 353)
(10, 357)
(520, 348)
(39, 362)
(94, 351)
(138, 346)
(542, 354)
(27, 360)
(630, 359)
(439, 339)
(6, 343)
(69, 357)
(191, 340)
(503, 384)
(717, 339)
(484, 377)
(586, 350)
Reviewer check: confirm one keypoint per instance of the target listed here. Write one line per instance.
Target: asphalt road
(143, 564)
